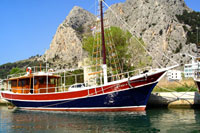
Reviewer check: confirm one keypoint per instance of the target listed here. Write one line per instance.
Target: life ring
(29, 70)
(50, 70)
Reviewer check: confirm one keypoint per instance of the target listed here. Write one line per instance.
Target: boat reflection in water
(154, 120)
(35, 121)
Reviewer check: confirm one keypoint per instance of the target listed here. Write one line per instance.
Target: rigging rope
(124, 23)
(171, 91)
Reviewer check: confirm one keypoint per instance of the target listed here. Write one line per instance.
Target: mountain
(155, 21)
(165, 26)
(66, 47)
(23, 64)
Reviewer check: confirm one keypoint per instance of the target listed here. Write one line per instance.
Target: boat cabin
(34, 84)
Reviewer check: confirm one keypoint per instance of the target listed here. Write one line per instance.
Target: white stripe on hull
(125, 108)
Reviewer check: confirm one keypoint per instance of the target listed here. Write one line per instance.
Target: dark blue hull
(126, 98)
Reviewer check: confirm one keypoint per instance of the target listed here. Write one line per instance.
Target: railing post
(33, 84)
(102, 90)
(61, 82)
(75, 79)
(64, 81)
(95, 90)
(47, 86)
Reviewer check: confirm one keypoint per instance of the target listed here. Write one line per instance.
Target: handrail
(129, 72)
(62, 87)
(39, 89)
(57, 72)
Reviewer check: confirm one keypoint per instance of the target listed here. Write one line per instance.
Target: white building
(174, 75)
(189, 69)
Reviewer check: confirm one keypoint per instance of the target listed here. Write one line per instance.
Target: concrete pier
(3, 102)
(174, 100)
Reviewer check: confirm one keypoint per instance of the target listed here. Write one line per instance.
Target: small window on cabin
(23, 82)
(19, 83)
(52, 81)
(79, 85)
(41, 80)
(73, 86)
(14, 83)
(35, 81)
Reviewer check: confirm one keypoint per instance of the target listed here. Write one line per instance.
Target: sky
(28, 26)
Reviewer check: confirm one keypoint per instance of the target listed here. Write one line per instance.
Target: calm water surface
(153, 120)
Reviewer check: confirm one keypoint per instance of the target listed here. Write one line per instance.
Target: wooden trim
(95, 73)
(30, 83)
(31, 76)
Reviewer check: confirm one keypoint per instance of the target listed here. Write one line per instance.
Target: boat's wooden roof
(31, 76)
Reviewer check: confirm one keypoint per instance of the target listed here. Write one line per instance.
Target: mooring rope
(171, 91)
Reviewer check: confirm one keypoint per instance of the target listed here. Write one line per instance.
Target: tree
(193, 20)
(121, 41)
(16, 70)
(139, 57)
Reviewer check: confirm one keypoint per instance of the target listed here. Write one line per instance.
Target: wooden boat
(47, 90)
(40, 91)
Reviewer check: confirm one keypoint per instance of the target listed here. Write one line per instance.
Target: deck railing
(34, 69)
(38, 91)
(129, 74)
(63, 83)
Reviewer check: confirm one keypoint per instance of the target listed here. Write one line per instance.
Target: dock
(174, 100)
(3, 102)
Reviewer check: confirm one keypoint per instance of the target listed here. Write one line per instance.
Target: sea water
(151, 120)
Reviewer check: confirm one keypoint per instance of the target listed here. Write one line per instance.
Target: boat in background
(197, 73)
(195, 66)
(49, 90)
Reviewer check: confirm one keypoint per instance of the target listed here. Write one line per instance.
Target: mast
(104, 66)
(102, 33)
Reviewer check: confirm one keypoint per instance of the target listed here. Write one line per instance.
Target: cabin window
(79, 85)
(19, 83)
(73, 86)
(52, 81)
(14, 83)
(41, 80)
(35, 81)
(23, 82)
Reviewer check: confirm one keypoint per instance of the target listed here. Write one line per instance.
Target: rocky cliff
(66, 46)
(154, 21)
